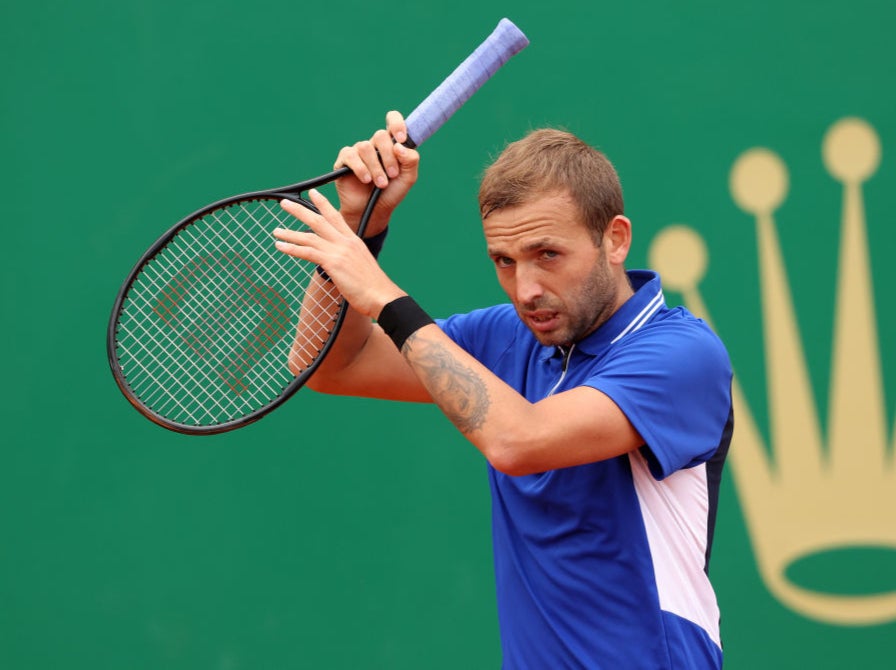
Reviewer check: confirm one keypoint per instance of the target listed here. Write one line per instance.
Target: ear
(617, 239)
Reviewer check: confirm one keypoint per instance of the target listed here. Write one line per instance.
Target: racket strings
(235, 356)
(196, 340)
(206, 317)
(211, 327)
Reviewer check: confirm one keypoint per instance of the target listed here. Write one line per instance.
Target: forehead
(553, 217)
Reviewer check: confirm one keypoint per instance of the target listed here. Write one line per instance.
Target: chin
(550, 339)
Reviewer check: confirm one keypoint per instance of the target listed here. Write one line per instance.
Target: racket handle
(505, 41)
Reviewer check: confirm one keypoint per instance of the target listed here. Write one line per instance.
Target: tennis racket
(203, 327)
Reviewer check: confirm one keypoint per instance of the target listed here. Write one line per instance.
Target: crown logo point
(679, 255)
(809, 491)
(851, 150)
(759, 181)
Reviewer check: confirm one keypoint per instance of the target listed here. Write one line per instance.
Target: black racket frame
(294, 193)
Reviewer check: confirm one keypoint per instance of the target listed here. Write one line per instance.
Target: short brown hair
(548, 160)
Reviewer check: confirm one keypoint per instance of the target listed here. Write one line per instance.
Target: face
(560, 282)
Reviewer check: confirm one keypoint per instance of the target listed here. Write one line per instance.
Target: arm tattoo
(458, 391)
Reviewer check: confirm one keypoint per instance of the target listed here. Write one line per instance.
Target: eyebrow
(534, 245)
(540, 243)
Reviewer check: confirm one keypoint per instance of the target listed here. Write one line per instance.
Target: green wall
(362, 541)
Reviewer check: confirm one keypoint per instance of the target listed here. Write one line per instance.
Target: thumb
(408, 162)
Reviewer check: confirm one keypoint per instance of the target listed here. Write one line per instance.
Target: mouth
(542, 320)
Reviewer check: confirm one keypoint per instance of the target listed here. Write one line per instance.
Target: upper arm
(575, 427)
(676, 392)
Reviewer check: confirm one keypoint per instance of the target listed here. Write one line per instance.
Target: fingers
(305, 244)
(329, 213)
(363, 158)
(329, 224)
(297, 244)
(301, 212)
(351, 158)
(382, 143)
(379, 159)
(396, 126)
(407, 158)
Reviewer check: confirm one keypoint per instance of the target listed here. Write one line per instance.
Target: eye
(503, 261)
(548, 254)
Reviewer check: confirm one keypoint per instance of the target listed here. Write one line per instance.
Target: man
(604, 415)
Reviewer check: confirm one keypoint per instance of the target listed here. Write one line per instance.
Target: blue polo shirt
(604, 565)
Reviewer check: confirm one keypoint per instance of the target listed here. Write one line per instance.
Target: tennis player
(604, 415)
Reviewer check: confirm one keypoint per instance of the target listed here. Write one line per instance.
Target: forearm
(489, 413)
(334, 374)
(516, 436)
(320, 308)
(317, 319)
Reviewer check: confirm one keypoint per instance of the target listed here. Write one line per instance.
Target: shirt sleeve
(673, 382)
(482, 333)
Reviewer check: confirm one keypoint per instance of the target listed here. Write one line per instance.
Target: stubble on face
(583, 310)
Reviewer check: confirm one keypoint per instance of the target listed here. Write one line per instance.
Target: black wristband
(374, 245)
(401, 318)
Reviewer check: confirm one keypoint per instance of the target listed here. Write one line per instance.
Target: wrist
(402, 317)
(375, 242)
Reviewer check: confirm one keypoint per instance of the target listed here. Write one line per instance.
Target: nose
(528, 285)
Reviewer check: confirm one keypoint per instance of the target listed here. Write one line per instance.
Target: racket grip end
(506, 40)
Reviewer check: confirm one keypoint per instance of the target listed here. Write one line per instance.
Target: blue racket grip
(505, 41)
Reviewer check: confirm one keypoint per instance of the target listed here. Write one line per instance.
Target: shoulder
(672, 380)
(495, 320)
(674, 338)
(489, 334)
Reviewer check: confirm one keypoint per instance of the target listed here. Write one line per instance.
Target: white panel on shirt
(675, 512)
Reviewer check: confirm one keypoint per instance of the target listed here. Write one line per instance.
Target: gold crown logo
(810, 497)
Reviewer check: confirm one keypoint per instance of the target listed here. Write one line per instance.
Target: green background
(339, 533)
